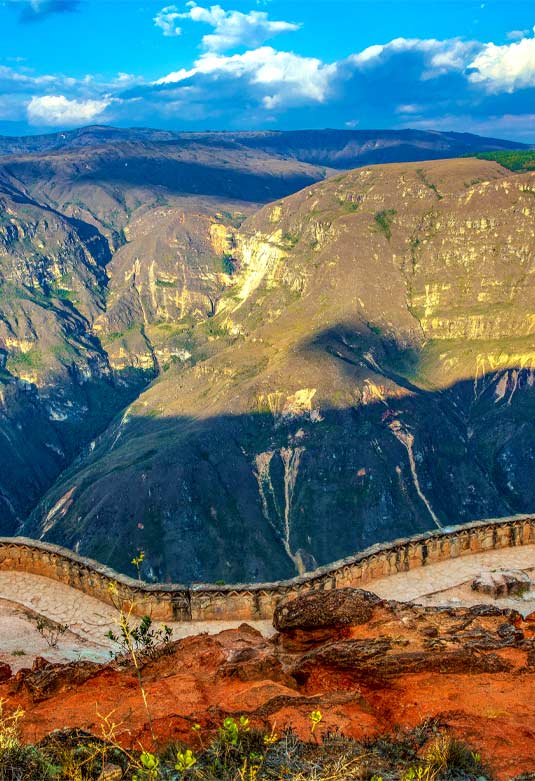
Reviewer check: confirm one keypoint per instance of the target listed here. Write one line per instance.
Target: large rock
(501, 582)
(318, 609)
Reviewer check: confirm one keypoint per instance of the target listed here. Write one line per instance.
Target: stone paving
(448, 582)
(24, 596)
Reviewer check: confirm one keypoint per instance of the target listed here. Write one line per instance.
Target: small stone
(111, 772)
(501, 582)
(429, 631)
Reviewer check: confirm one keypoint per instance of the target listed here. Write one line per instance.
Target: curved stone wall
(253, 601)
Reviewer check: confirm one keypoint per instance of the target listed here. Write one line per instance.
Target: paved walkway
(448, 582)
(24, 596)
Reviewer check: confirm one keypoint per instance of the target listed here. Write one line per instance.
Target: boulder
(501, 582)
(319, 609)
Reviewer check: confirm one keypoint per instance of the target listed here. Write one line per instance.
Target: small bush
(228, 264)
(384, 220)
(446, 753)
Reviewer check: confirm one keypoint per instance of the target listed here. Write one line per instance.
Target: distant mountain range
(332, 148)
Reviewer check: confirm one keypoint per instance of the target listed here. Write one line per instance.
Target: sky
(269, 64)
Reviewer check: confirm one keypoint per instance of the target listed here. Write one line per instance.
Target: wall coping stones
(174, 601)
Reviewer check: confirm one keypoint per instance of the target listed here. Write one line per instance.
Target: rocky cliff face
(108, 254)
(366, 373)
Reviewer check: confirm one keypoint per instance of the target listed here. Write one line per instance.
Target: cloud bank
(238, 81)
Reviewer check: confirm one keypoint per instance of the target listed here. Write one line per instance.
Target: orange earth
(369, 665)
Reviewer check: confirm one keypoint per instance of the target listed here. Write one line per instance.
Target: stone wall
(171, 602)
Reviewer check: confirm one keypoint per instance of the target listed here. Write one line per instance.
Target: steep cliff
(368, 374)
(108, 253)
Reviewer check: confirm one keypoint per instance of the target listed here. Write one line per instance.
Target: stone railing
(252, 601)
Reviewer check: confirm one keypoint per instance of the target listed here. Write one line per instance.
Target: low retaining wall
(252, 601)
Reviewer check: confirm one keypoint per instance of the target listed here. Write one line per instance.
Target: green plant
(16, 760)
(228, 264)
(143, 637)
(315, 718)
(231, 730)
(423, 178)
(383, 220)
(136, 640)
(290, 238)
(419, 773)
(514, 159)
(137, 561)
(185, 760)
(50, 630)
(149, 767)
(446, 753)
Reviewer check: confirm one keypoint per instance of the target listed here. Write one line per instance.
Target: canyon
(248, 392)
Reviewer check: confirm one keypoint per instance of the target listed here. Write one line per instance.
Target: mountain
(366, 372)
(102, 247)
(329, 147)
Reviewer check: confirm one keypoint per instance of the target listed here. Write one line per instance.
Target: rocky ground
(367, 664)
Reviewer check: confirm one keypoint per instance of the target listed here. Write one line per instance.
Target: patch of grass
(33, 359)
(236, 750)
(290, 239)
(228, 264)
(383, 220)
(349, 206)
(165, 283)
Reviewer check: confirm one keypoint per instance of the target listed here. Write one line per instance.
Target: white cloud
(232, 29)
(505, 68)
(516, 35)
(166, 20)
(281, 79)
(408, 108)
(421, 82)
(440, 56)
(57, 110)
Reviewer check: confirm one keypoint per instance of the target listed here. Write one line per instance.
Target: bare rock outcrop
(501, 582)
(339, 607)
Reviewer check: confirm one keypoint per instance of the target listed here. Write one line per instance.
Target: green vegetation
(165, 283)
(423, 178)
(290, 239)
(384, 221)
(349, 206)
(32, 359)
(227, 264)
(234, 218)
(236, 750)
(50, 630)
(514, 159)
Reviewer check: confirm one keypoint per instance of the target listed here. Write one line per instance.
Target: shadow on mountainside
(257, 496)
(219, 178)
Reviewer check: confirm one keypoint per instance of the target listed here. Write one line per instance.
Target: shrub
(384, 220)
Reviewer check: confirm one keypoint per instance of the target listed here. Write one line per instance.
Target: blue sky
(249, 64)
